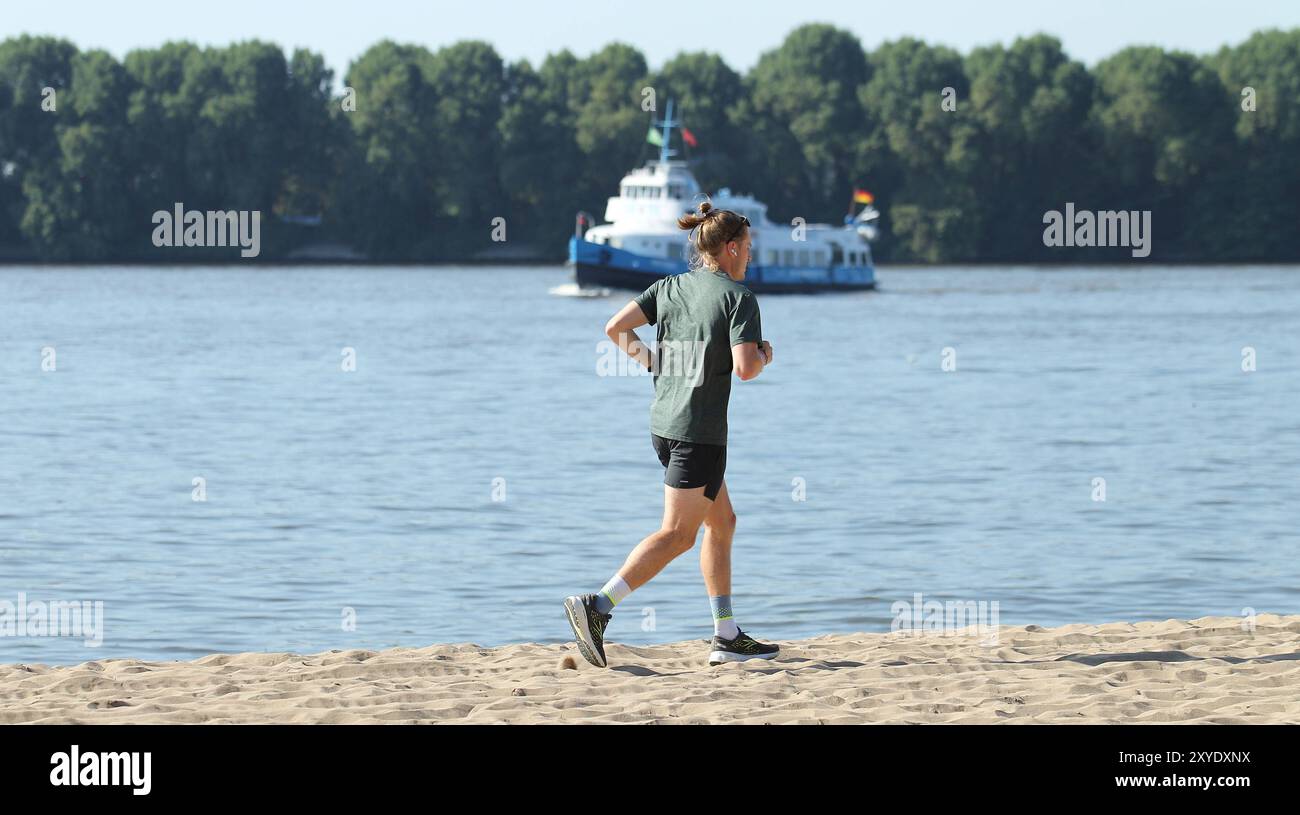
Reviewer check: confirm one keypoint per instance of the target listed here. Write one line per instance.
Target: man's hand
(765, 348)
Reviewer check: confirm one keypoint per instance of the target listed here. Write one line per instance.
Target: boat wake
(574, 290)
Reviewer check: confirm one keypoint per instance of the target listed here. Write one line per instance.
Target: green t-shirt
(699, 316)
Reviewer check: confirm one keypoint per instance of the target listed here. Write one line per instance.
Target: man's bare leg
(684, 511)
(715, 563)
(715, 551)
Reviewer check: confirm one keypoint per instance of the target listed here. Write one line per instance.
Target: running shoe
(743, 647)
(588, 627)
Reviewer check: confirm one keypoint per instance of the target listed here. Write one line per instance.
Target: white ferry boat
(641, 242)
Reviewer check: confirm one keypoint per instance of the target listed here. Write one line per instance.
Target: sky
(739, 31)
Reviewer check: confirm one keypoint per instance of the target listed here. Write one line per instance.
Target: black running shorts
(689, 465)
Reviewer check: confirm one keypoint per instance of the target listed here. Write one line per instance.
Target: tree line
(422, 151)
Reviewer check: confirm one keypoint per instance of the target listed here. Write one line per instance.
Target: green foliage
(1254, 196)
(28, 141)
(1029, 147)
(441, 143)
(805, 116)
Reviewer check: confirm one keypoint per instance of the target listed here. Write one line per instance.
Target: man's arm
(749, 358)
(749, 352)
(619, 328)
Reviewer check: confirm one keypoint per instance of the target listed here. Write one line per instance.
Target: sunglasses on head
(744, 224)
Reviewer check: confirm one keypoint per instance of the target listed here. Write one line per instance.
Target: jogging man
(707, 326)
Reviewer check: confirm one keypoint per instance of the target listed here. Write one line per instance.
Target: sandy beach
(1208, 670)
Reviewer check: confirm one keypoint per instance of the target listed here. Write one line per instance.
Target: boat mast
(667, 124)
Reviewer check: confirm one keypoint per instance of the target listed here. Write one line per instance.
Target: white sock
(724, 625)
(727, 629)
(613, 593)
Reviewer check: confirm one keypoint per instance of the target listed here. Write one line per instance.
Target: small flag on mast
(689, 137)
(861, 196)
(654, 138)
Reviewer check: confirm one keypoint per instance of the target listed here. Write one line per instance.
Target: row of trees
(425, 148)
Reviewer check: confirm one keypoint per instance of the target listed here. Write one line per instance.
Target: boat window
(803, 257)
(837, 255)
(788, 256)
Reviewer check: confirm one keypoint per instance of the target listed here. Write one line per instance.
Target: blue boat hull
(598, 266)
